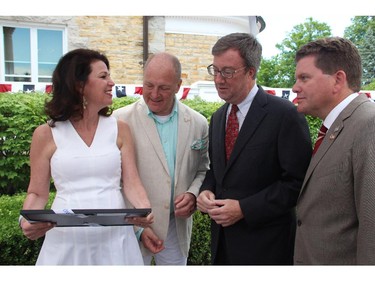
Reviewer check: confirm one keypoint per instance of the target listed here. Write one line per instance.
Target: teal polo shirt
(167, 127)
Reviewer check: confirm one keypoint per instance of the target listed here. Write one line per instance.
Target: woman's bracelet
(20, 218)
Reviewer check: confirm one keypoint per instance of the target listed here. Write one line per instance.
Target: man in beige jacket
(171, 142)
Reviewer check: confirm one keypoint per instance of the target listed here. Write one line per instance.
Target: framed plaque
(84, 217)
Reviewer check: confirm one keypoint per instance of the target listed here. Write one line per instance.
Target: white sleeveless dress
(86, 178)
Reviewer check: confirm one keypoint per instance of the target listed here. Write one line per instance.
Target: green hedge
(16, 249)
(20, 114)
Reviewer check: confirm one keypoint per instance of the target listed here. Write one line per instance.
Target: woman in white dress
(87, 152)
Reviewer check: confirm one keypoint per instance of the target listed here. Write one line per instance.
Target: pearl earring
(84, 102)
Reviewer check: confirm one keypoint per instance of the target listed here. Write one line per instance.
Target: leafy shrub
(20, 114)
(16, 249)
(203, 107)
(200, 246)
(120, 102)
(314, 125)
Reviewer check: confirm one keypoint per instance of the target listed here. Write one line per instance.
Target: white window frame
(33, 45)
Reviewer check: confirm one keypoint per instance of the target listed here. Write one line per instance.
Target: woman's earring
(84, 102)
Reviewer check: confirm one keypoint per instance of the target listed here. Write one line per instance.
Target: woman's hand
(33, 231)
(141, 221)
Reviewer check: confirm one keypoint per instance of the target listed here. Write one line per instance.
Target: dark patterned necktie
(231, 131)
(321, 135)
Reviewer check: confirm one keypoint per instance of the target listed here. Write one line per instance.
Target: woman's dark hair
(68, 80)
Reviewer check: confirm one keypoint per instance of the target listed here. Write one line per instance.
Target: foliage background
(278, 71)
(20, 114)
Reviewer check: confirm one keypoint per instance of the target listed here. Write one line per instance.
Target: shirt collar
(163, 119)
(331, 117)
(244, 106)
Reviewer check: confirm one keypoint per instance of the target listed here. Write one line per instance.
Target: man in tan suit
(336, 206)
(171, 142)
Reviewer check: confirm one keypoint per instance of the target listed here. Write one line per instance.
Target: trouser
(171, 255)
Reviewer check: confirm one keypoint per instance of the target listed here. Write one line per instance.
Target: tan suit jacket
(191, 163)
(336, 206)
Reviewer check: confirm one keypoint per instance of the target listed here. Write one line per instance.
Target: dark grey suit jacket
(336, 208)
(265, 173)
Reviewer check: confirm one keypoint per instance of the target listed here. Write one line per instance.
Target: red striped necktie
(321, 135)
(231, 131)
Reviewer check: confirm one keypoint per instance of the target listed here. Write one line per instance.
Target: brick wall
(194, 52)
(121, 39)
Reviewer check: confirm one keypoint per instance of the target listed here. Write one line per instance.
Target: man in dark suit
(251, 196)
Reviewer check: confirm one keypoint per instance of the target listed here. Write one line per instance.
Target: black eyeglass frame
(211, 69)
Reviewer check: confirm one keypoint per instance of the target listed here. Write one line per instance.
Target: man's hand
(184, 205)
(206, 201)
(229, 212)
(151, 241)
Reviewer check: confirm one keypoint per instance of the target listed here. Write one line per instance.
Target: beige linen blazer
(192, 162)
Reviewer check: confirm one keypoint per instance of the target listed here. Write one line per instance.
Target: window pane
(45, 79)
(49, 52)
(17, 53)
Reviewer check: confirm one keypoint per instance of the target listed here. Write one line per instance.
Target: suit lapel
(252, 120)
(184, 128)
(331, 136)
(217, 141)
(148, 125)
(328, 140)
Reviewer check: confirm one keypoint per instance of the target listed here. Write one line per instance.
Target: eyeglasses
(226, 72)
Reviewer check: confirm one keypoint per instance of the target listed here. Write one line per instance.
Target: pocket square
(198, 144)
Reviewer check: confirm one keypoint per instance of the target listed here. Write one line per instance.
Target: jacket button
(299, 223)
